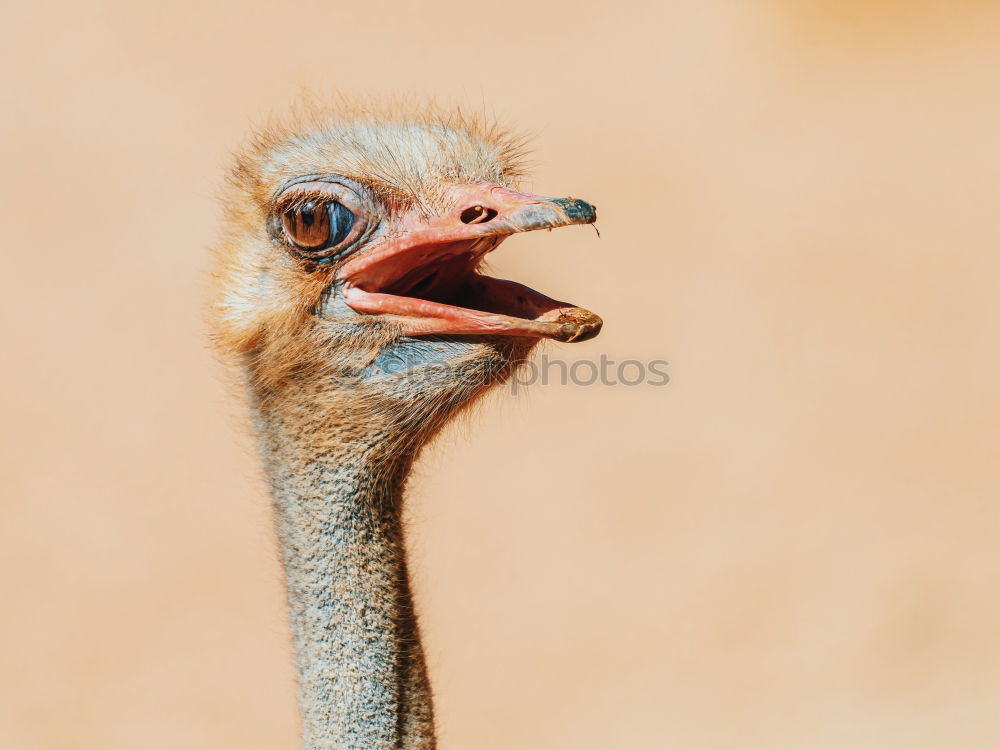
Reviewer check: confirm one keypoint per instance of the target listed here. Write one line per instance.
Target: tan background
(793, 545)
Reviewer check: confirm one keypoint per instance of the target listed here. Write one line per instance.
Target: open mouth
(427, 277)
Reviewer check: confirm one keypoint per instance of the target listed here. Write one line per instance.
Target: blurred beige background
(793, 545)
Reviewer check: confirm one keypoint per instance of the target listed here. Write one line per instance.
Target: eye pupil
(307, 212)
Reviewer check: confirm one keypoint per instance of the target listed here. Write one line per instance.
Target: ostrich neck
(361, 673)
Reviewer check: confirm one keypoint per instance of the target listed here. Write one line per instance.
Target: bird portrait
(351, 294)
(518, 376)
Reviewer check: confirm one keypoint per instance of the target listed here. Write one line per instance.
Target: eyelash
(300, 199)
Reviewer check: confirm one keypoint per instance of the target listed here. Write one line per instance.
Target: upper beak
(535, 212)
(483, 211)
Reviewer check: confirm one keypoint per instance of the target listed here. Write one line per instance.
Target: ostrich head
(353, 252)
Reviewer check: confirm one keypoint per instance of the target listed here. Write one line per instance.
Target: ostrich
(350, 294)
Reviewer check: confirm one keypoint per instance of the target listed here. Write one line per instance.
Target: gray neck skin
(362, 679)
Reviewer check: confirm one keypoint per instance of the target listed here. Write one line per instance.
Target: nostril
(478, 215)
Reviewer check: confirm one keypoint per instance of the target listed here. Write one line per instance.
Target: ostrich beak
(423, 275)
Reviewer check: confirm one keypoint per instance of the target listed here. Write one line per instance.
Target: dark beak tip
(577, 211)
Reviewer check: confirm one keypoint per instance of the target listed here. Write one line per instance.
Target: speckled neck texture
(362, 679)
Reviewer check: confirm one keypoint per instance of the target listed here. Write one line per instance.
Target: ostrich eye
(317, 225)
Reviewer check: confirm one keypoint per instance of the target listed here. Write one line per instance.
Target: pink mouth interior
(436, 288)
(436, 273)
